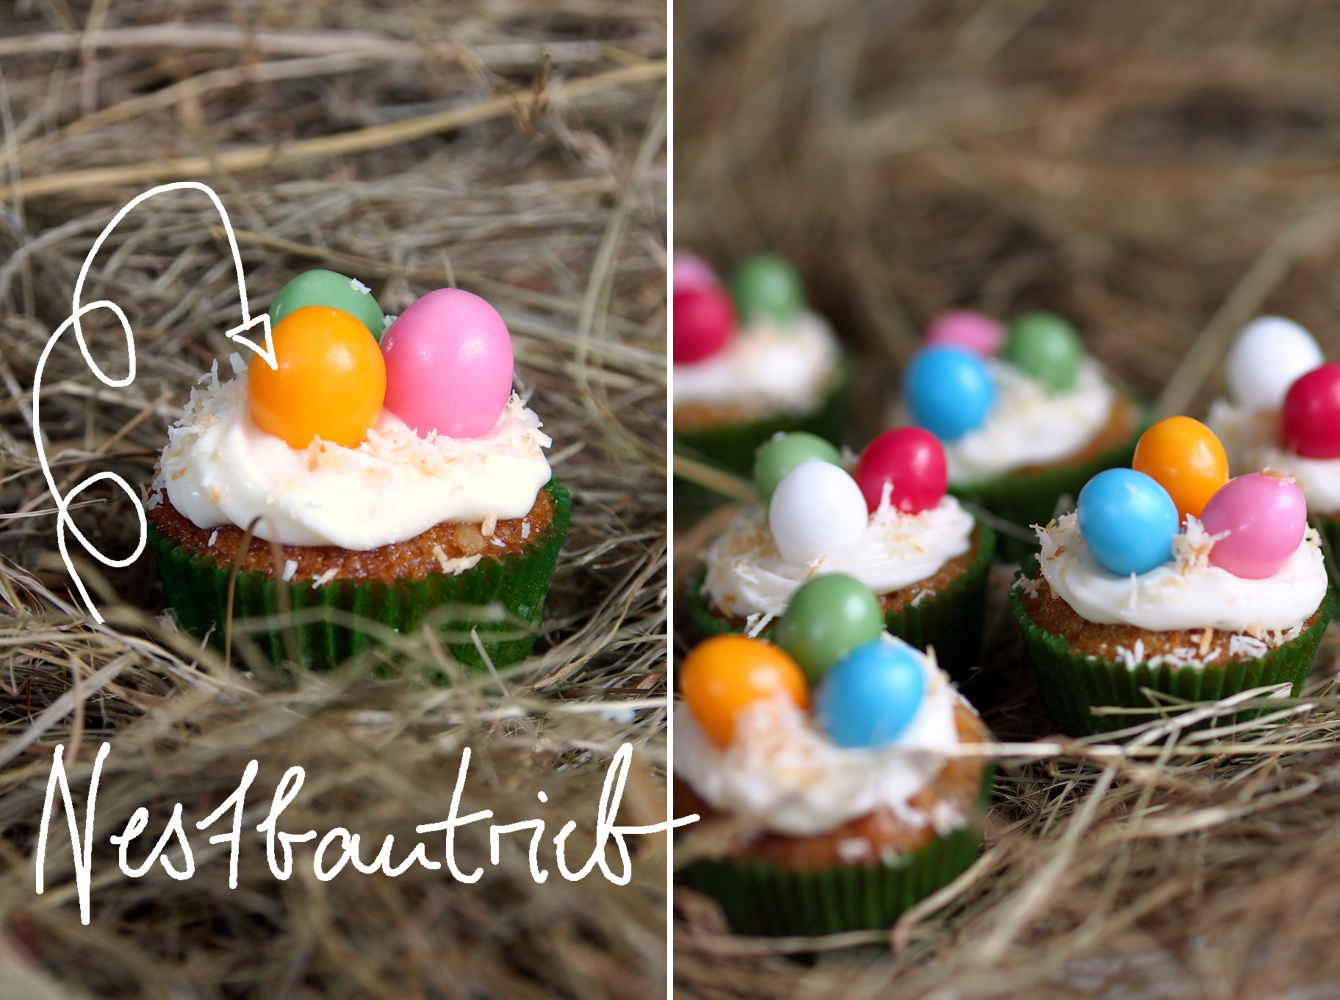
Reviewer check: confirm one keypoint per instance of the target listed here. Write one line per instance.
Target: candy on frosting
(767, 368)
(965, 328)
(704, 324)
(746, 574)
(320, 287)
(1259, 520)
(910, 462)
(220, 468)
(871, 695)
(1267, 355)
(1187, 592)
(1310, 416)
(1185, 458)
(1128, 521)
(816, 510)
(948, 391)
(783, 773)
(448, 365)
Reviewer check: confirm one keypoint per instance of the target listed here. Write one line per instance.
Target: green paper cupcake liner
(503, 598)
(951, 621)
(1329, 527)
(732, 446)
(1072, 682)
(760, 898)
(1032, 498)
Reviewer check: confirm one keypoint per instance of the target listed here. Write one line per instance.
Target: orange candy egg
(330, 383)
(1185, 458)
(727, 673)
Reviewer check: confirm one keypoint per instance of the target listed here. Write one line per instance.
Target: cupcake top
(355, 444)
(1283, 410)
(1003, 400)
(888, 522)
(1173, 544)
(753, 741)
(755, 349)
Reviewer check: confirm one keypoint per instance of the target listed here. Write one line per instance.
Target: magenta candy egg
(688, 270)
(448, 365)
(1310, 416)
(1265, 516)
(704, 323)
(970, 330)
(912, 460)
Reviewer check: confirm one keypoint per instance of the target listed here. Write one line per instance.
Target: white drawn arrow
(63, 519)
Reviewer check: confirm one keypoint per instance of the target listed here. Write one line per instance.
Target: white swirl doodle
(63, 519)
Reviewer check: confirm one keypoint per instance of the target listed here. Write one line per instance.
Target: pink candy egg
(704, 324)
(688, 270)
(970, 330)
(1265, 517)
(448, 365)
(911, 461)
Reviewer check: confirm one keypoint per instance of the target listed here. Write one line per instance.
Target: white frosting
(1029, 426)
(1186, 592)
(746, 575)
(766, 369)
(1251, 439)
(786, 775)
(220, 468)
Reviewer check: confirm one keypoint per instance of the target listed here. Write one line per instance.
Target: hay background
(1160, 173)
(464, 156)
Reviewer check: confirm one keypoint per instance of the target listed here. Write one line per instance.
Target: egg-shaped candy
(948, 391)
(968, 329)
(320, 287)
(330, 382)
(871, 695)
(1127, 520)
(1264, 516)
(826, 619)
(724, 675)
(911, 461)
(816, 510)
(1184, 457)
(689, 271)
(1046, 347)
(1310, 417)
(1267, 356)
(767, 287)
(448, 365)
(783, 453)
(704, 324)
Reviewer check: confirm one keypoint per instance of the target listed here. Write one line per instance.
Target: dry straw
(512, 150)
(1160, 173)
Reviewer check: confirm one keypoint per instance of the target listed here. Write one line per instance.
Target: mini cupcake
(1026, 416)
(1283, 412)
(1122, 598)
(381, 487)
(853, 809)
(889, 523)
(751, 362)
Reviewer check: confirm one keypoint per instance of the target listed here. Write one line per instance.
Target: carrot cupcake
(751, 361)
(1025, 415)
(1283, 412)
(363, 487)
(852, 803)
(1122, 599)
(889, 523)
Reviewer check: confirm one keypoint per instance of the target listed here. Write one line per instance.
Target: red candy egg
(910, 458)
(1310, 418)
(1265, 516)
(704, 323)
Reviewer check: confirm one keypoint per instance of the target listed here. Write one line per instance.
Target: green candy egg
(827, 618)
(782, 454)
(1046, 347)
(766, 286)
(328, 288)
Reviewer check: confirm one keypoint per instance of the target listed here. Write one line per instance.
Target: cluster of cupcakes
(383, 469)
(835, 745)
(883, 516)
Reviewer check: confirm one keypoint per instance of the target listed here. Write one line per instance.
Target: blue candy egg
(948, 390)
(1128, 521)
(871, 695)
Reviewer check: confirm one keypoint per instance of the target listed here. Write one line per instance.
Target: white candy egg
(1269, 354)
(816, 510)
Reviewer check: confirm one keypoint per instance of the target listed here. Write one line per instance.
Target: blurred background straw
(513, 149)
(1159, 173)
